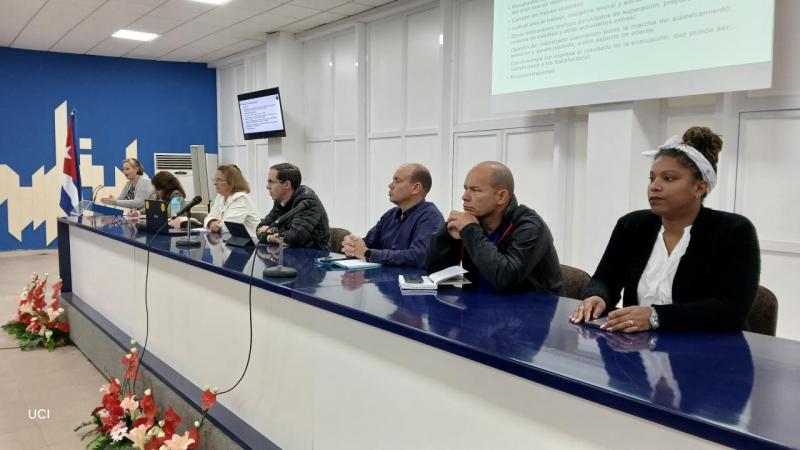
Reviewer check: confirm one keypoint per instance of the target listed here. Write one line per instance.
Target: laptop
(239, 235)
(156, 217)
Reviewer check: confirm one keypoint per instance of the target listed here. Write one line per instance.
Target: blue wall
(166, 106)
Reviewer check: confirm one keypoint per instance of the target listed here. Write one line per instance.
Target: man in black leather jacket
(297, 215)
(501, 243)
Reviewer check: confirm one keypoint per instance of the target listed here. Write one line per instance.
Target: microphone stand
(188, 241)
(280, 271)
(96, 191)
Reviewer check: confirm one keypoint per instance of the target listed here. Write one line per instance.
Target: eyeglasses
(271, 182)
(220, 180)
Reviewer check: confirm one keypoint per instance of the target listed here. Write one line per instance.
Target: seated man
(402, 235)
(502, 244)
(298, 214)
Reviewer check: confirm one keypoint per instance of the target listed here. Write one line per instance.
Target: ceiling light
(135, 35)
(212, 2)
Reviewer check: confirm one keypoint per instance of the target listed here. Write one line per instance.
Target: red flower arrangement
(36, 323)
(123, 421)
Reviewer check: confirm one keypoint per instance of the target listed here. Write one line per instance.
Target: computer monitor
(261, 114)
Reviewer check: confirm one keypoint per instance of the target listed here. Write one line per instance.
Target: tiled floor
(63, 382)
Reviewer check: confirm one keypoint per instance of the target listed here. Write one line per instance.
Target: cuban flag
(71, 187)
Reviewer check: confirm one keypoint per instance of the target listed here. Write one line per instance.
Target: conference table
(345, 359)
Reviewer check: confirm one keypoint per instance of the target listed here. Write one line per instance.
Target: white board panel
(345, 71)
(386, 76)
(424, 92)
(319, 89)
(385, 155)
(470, 149)
(426, 150)
(529, 155)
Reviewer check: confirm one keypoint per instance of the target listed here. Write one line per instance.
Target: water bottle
(174, 206)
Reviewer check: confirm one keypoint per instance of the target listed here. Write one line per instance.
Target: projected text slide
(541, 44)
(261, 114)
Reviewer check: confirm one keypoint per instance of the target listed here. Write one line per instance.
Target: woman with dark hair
(167, 187)
(681, 265)
(136, 190)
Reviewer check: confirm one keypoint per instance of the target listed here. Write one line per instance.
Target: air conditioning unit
(180, 165)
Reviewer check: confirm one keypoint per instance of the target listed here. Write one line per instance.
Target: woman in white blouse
(232, 203)
(681, 265)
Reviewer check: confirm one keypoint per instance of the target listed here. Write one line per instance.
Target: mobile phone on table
(596, 323)
(413, 279)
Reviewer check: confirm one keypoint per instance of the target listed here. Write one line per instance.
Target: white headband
(706, 169)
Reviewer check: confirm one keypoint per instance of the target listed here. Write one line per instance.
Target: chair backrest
(337, 236)
(763, 316)
(574, 281)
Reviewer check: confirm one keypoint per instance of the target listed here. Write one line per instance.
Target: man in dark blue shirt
(402, 235)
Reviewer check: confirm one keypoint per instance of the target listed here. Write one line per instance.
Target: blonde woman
(136, 190)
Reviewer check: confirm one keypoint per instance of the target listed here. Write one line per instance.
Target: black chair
(575, 281)
(763, 316)
(337, 236)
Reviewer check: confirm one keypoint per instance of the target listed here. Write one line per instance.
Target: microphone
(195, 201)
(97, 191)
(292, 212)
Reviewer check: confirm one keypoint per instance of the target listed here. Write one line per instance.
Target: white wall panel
(474, 73)
(259, 67)
(426, 150)
(384, 157)
(529, 155)
(768, 192)
(345, 84)
(231, 83)
(424, 92)
(768, 183)
(386, 74)
(318, 174)
(575, 235)
(347, 208)
(319, 88)
(470, 149)
(474, 64)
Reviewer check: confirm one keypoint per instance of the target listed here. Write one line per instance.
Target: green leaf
(83, 425)
(99, 443)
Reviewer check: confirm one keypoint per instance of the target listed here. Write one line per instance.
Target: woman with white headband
(682, 265)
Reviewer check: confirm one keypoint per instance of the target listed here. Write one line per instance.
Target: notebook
(450, 275)
(355, 264)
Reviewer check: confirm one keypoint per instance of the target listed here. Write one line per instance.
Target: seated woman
(136, 190)
(166, 187)
(232, 203)
(682, 265)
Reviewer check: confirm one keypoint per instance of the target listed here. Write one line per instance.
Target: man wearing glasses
(297, 215)
(402, 235)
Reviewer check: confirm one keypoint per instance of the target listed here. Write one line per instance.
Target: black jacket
(523, 260)
(306, 228)
(716, 281)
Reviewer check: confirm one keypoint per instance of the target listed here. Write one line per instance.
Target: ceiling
(190, 31)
